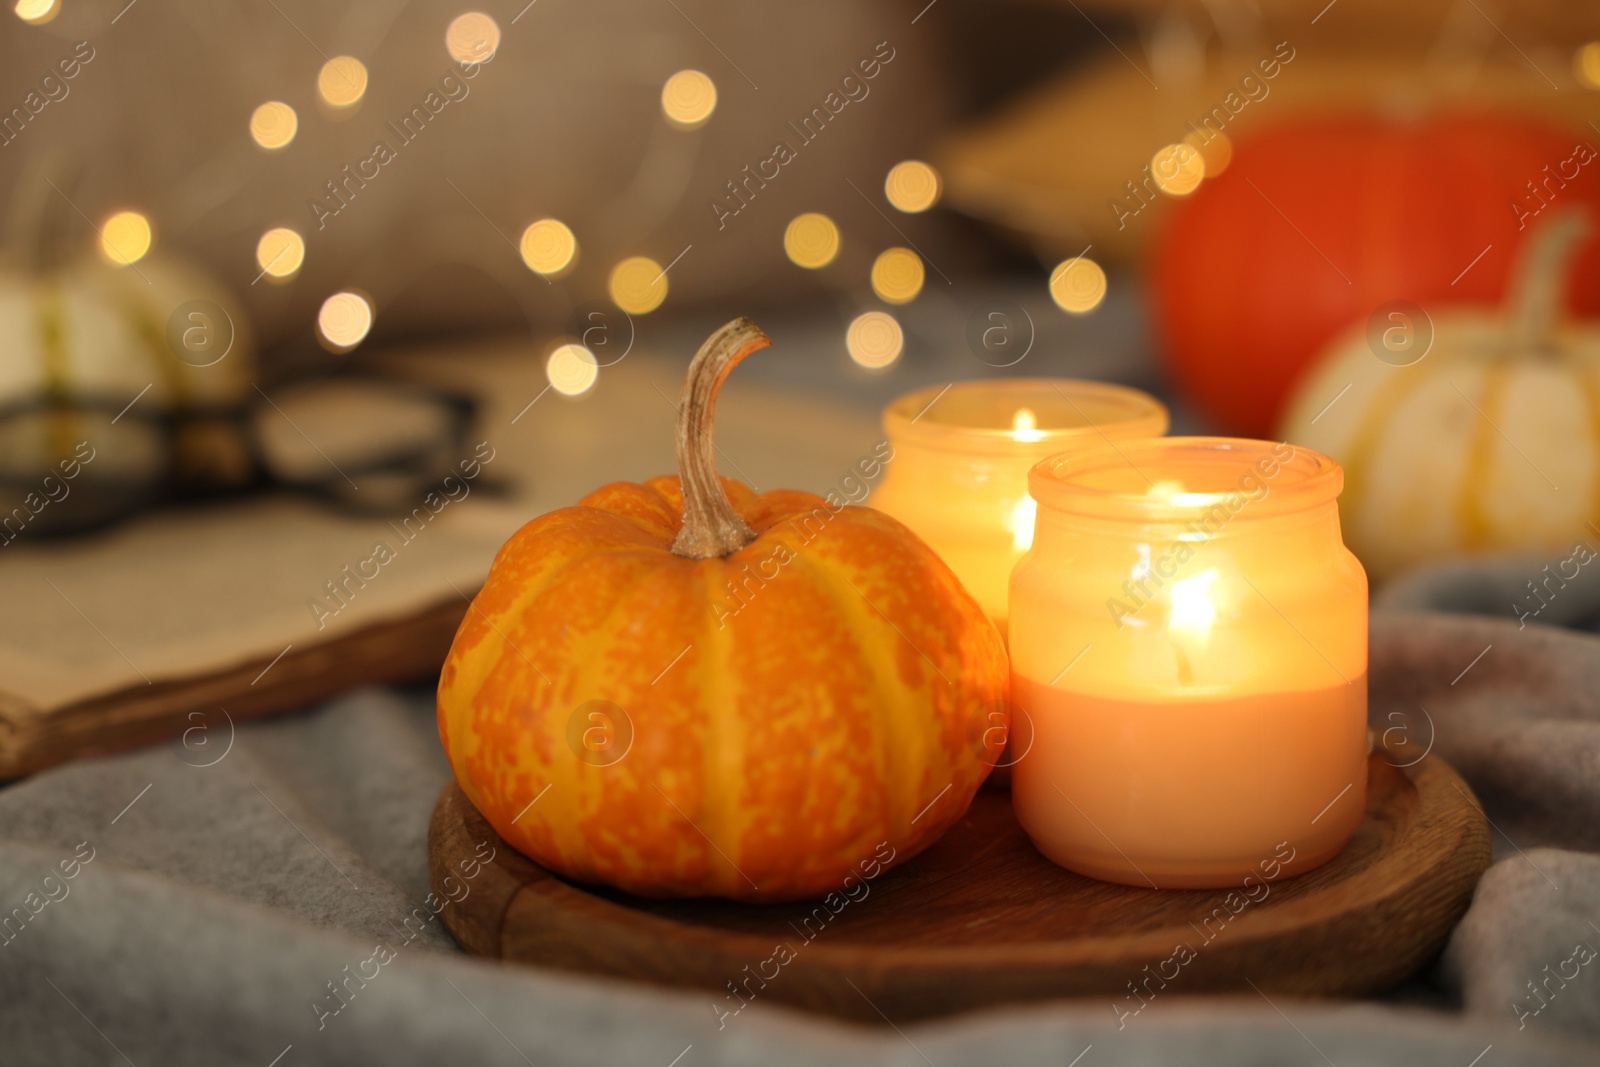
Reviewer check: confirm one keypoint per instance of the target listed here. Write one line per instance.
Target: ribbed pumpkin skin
(1477, 448)
(778, 753)
(1488, 440)
(93, 334)
(99, 332)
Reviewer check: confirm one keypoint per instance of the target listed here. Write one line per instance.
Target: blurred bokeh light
(125, 237)
(811, 240)
(273, 125)
(912, 186)
(37, 12)
(874, 339)
(1586, 65)
(1078, 285)
(280, 252)
(638, 285)
(897, 276)
(472, 38)
(572, 369)
(344, 321)
(342, 82)
(1178, 169)
(688, 99)
(548, 247)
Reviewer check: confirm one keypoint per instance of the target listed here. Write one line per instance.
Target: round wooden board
(982, 918)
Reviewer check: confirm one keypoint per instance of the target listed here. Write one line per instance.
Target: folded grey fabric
(1529, 942)
(1509, 693)
(1563, 590)
(259, 896)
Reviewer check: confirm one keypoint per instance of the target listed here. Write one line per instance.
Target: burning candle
(962, 453)
(1189, 640)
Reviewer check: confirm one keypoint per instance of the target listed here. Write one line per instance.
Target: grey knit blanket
(258, 896)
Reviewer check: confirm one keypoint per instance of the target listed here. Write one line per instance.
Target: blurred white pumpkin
(1487, 440)
(136, 375)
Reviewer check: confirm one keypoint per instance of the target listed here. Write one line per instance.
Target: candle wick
(1185, 668)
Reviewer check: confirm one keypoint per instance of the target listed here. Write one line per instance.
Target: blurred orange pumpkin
(682, 688)
(1318, 223)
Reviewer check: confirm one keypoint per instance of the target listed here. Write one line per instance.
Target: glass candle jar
(962, 452)
(1189, 640)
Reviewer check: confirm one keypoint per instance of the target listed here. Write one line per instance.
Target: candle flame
(1172, 491)
(1192, 609)
(1022, 517)
(1025, 427)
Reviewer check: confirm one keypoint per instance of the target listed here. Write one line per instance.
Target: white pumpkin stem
(1539, 283)
(711, 527)
(40, 214)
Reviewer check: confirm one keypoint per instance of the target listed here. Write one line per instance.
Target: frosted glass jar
(962, 452)
(1189, 638)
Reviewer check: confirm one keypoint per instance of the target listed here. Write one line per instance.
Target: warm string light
(572, 369)
(472, 38)
(344, 321)
(37, 12)
(125, 238)
(912, 186)
(1078, 285)
(874, 339)
(897, 276)
(342, 82)
(638, 285)
(811, 240)
(273, 125)
(280, 253)
(548, 247)
(1178, 169)
(688, 99)
(1586, 65)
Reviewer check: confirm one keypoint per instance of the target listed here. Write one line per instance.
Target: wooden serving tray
(983, 919)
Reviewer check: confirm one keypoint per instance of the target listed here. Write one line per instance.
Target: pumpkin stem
(710, 525)
(1539, 284)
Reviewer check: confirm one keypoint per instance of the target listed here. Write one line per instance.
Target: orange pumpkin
(682, 688)
(1246, 299)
